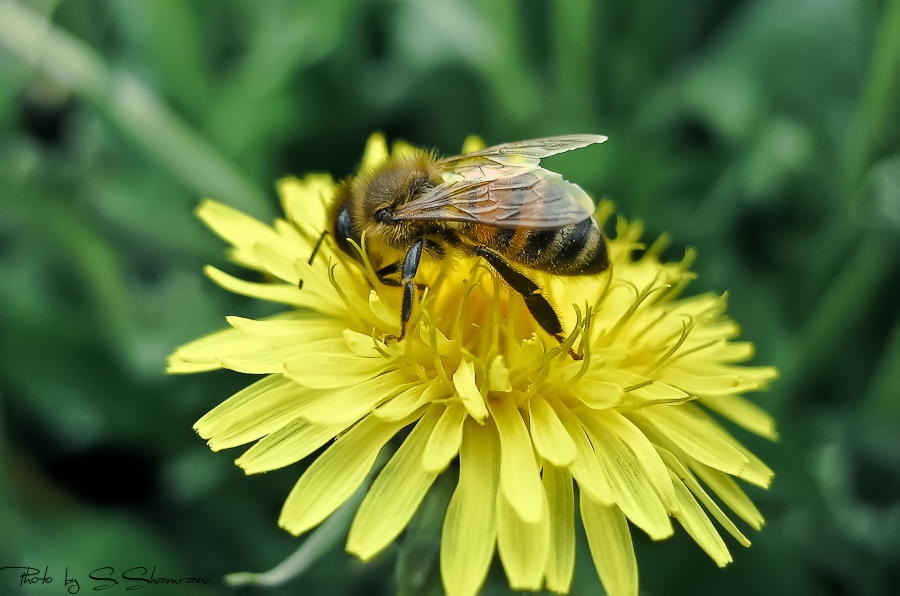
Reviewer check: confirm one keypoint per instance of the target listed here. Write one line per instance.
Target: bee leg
(538, 306)
(314, 253)
(383, 273)
(392, 269)
(389, 270)
(409, 269)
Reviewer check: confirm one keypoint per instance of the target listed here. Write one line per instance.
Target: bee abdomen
(576, 249)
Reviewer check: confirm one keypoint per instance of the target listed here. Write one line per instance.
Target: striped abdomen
(576, 249)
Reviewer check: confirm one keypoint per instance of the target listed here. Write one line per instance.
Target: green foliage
(763, 133)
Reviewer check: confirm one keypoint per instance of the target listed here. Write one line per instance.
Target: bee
(497, 204)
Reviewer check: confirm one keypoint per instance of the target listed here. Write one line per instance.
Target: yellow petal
(260, 387)
(409, 401)
(283, 293)
(470, 526)
(523, 546)
(243, 257)
(206, 352)
(305, 200)
(681, 470)
(277, 262)
(561, 507)
(287, 327)
(587, 469)
(598, 394)
(247, 340)
(657, 393)
(335, 475)
(754, 470)
(387, 317)
(181, 366)
(402, 149)
(395, 495)
(233, 226)
(519, 476)
(315, 280)
(287, 445)
(611, 422)
(611, 548)
(472, 144)
(744, 413)
(464, 381)
(694, 520)
(499, 376)
(697, 437)
(445, 439)
(699, 384)
(360, 344)
(266, 412)
(259, 362)
(375, 154)
(349, 404)
(634, 493)
(549, 435)
(328, 364)
(729, 491)
(201, 354)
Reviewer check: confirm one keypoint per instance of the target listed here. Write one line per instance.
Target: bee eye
(385, 216)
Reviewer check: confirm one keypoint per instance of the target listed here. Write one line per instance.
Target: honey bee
(497, 204)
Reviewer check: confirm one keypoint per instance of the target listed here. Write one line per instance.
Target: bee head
(395, 182)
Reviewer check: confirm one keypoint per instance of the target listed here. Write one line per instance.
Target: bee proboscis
(497, 204)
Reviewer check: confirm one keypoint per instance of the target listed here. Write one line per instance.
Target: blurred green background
(765, 133)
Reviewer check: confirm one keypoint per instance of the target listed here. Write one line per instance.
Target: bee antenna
(312, 257)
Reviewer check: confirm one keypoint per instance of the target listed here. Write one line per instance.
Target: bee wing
(507, 197)
(521, 152)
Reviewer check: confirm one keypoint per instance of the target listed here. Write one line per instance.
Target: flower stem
(877, 105)
(321, 541)
(132, 106)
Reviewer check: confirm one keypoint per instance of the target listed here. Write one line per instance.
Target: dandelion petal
(611, 548)
(549, 435)
(519, 476)
(470, 526)
(266, 413)
(445, 439)
(523, 546)
(698, 439)
(261, 387)
(744, 413)
(304, 200)
(634, 493)
(464, 381)
(284, 293)
(376, 152)
(354, 402)
(561, 507)
(586, 468)
(729, 491)
(335, 475)
(499, 376)
(316, 369)
(235, 227)
(645, 453)
(287, 445)
(395, 495)
(407, 402)
(599, 394)
(694, 520)
(680, 470)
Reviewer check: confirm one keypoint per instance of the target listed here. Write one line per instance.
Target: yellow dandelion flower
(477, 379)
